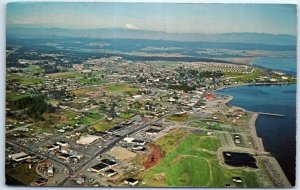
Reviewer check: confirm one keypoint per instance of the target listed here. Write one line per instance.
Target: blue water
(278, 133)
(284, 64)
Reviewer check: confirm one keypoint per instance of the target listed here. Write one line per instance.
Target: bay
(283, 64)
(278, 133)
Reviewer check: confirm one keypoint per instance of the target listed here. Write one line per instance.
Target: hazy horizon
(120, 28)
(174, 18)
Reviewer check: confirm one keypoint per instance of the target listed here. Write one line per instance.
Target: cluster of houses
(232, 68)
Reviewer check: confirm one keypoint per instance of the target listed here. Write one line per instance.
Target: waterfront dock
(271, 114)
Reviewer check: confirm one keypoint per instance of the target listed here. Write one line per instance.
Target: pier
(271, 114)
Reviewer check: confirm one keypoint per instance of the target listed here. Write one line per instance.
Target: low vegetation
(122, 89)
(103, 125)
(24, 80)
(238, 77)
(90, 81)
(179, 117)
(65, 75)
(191, 160)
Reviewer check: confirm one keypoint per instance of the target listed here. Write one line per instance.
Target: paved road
(58, 162)
(18, 128)
(12, 51)
(112, 144)
(80, 128)
(107, 148)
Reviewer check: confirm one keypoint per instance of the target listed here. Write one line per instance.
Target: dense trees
(34, 106)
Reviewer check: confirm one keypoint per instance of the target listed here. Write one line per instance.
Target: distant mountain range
(108, 33)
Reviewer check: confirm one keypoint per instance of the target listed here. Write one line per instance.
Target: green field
(91, 81)
(70, 114)
(215, 125)
(23, 80)
(244, 117)
(121, 89)
(124, 115)
(244, 77)
(179, 117)
(13, 96)
(34, 69)
(65, 75)
(103, 125)
(194, 163)
(90, 118)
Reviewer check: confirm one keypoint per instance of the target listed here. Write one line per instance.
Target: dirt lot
(121, 153)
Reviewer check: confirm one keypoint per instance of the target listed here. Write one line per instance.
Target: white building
(19, 156)
(87, 139)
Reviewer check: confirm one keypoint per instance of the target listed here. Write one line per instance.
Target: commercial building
(64, 156)
(131, 181)
(99, 167)
(109, 173)
(152, 131)
(108, 162)
(19, 156)
(87, 139)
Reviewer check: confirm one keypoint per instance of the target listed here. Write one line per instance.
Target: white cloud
(131, 26)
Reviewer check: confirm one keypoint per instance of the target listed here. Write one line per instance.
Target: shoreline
(253, 84)
(268, 162)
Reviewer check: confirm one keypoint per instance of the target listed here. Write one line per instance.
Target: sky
(167, 17)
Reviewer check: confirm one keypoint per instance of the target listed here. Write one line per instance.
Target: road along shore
(266, 161)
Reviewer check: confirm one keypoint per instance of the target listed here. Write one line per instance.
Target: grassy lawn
(91, 81)
(179, 117)
(222, 176)
(121, 88)
(248, 77)
(193, 162)
(184, 171)
(103, 125)
(212, 124)
(13, 96)
(124, 115)
(206, 142)
(34, 69)
(24, 80)
(70, 114)
(90, 118)
(244, 117)
(65, 75)
(170, 141)
(244, 77)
